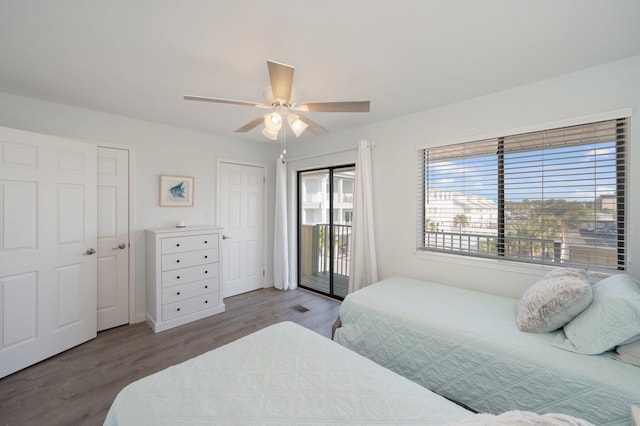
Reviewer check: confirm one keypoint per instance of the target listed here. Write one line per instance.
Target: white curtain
(280, 234)
(364, 267)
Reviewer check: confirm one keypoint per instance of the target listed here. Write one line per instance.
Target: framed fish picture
(176, 191)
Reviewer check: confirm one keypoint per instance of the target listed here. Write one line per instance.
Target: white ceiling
(137, 58)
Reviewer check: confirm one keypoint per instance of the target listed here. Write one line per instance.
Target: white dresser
(183, 275)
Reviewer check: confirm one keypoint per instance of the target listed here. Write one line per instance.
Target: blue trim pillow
(554, 300)
(612, 319)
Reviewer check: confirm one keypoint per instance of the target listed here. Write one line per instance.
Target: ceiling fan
(282, 98)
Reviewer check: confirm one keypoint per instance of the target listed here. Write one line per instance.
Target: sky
(574, 173)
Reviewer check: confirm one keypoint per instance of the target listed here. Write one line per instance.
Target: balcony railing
(316, 253)
(526, 249)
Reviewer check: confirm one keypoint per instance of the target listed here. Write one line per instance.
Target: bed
(465, 345)
(282, 374)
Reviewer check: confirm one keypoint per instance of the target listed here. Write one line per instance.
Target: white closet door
(113, 237)
(47, 246)
(241, 215)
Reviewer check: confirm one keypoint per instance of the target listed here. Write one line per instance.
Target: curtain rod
(372, 144)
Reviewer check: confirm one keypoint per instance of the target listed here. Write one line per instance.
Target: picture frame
(176, 191)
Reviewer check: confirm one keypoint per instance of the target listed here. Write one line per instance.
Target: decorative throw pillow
(612, 319)
(554, 300)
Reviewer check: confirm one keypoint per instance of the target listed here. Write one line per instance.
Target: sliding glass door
(325, 211)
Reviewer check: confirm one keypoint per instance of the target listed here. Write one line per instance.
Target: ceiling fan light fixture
(297, 126)
(273, 121)
(294, 97)
(268, 96)
(270, 133)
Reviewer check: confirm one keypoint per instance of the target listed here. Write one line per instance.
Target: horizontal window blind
(551, 196)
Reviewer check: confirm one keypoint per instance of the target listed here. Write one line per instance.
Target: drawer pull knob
(178, 293)
(178, 309)
(178, 245)
(206, 286)
(206, 272)
(206, 257)
(178, 277)
(206, 301)
(178, 261)
(206, 242)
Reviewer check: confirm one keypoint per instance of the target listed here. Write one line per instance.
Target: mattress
(283, 374)
(465, 345)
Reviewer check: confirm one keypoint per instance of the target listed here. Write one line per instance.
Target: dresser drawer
(189, 258)
(186, 275)
(186, 291)
(188, 306)
(189, 243)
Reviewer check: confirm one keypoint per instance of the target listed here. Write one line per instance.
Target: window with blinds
(553, 196)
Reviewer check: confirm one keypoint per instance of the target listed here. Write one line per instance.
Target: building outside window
(324, 237)
(554, 196)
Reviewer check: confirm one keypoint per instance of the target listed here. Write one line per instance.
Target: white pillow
(613, 319)
(629, 353)
(522, 418)
(554, 300)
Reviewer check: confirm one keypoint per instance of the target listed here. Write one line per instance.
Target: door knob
(90, 251)
(121, 246)
(225, 237)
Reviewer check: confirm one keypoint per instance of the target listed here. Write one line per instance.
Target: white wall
(157, 149)
(163, 149)
(604, 88)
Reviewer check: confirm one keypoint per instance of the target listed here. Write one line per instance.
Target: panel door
(47, 246)
(113, 237)
(241, 215)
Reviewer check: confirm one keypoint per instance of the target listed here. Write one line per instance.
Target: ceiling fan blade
(347, 106)
(221, 101)
(281, 77)
(314, 127)
(250, 125)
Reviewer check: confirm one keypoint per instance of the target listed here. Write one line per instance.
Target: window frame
(622, 189)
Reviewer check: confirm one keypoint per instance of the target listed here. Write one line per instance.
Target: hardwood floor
(77, 387)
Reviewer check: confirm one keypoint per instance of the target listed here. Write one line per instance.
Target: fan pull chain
(283, 146)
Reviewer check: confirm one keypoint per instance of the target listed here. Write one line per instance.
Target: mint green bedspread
(281, 375)
(465, 345)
